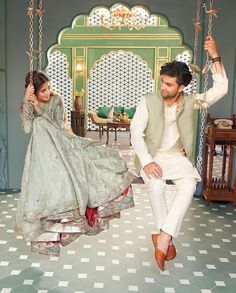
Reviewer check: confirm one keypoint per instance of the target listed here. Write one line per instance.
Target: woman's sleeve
(27, 116)
(58, 114)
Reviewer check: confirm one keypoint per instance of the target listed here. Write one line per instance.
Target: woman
(70, 185)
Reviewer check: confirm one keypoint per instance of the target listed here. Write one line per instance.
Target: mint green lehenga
(70, 185)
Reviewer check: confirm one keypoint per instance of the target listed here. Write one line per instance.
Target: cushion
(103, 112)
(130, 112)
(119, 109)
(111, 113)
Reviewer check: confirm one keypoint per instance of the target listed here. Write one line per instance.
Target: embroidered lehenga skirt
(70, 186)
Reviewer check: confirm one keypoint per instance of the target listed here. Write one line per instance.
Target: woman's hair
(38, 79)
(179, 70)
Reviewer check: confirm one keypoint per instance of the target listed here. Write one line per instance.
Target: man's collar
(180, 104)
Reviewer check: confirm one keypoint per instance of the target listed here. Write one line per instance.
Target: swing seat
(139, 180)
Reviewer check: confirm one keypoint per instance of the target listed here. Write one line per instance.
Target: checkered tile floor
(121, 259)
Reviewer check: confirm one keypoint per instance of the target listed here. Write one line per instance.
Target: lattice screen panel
(58, 74)
(118, 79)
(186, 58)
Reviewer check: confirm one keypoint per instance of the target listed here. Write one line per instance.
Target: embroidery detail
(201, 105)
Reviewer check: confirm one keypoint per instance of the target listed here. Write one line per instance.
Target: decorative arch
(141, 14)
(85, 43)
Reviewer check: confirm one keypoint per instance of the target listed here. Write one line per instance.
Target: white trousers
(170, 221)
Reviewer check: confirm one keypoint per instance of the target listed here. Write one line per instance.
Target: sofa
(98, 121)
(106, 114)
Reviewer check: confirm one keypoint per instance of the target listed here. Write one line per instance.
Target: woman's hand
(30, 96)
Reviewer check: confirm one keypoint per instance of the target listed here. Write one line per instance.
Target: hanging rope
(30, 53)
(31, 38)
(40, 12)
(205, 70)
(198, 28)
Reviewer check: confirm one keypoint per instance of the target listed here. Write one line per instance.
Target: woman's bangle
(216, 59)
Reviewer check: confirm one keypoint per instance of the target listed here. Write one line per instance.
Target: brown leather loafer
(171, 252)
(160, 258)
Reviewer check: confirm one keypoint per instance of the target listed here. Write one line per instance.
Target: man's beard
(169, 96)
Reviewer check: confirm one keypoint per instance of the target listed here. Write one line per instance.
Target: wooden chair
(98, 121)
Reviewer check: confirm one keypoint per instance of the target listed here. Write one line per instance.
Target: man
(162, 133)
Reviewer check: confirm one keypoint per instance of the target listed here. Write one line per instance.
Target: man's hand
(210, 47)
(152, 170)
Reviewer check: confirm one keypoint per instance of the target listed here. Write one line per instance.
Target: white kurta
(170, 156)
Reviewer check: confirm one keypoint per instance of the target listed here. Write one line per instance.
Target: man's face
(169, 87)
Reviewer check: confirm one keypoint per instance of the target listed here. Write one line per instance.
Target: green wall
(3, 101)
(59, 14)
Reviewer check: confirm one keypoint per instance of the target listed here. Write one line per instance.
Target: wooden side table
(78, 123)
(219, 189)
(115, 125)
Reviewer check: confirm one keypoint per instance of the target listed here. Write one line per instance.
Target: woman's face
(43, 94)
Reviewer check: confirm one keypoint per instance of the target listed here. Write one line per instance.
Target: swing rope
(197, 25)
(31, 39)
(31, 51)
(40, 12)
(203, 112)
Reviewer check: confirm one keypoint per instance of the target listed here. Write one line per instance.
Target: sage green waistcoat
(155, 126)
